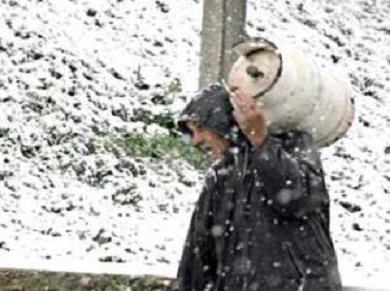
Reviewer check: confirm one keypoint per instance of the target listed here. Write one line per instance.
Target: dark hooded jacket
(262, 219)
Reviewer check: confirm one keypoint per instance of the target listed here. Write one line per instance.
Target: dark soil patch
(17, 280)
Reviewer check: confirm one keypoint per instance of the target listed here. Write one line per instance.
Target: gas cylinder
(295, 92)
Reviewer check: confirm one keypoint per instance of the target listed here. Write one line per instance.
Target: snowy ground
(72, 75)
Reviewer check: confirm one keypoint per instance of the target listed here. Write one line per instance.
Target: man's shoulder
(289, 134)
(292, 139)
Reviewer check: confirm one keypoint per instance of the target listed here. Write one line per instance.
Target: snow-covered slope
(73, 75)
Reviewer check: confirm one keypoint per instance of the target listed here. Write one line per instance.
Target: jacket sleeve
(198, 263)
(291, 173)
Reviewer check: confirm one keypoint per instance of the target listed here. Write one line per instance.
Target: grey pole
(223, 26)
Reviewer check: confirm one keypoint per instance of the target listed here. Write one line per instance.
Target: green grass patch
(148, 117)
(162, 146)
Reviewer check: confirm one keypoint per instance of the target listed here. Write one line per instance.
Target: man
(262, 220)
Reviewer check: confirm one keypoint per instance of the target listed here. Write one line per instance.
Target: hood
(212, 109)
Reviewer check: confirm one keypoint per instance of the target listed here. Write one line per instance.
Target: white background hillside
(74, 74)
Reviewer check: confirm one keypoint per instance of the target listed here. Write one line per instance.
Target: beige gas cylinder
(294, 91)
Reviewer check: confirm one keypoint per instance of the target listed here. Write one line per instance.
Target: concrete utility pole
(223, 26)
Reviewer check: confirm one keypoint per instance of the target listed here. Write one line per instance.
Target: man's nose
(196, 138)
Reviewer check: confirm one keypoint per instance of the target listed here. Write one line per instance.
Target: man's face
(207, 140)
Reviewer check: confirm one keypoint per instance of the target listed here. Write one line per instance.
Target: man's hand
(249, 116)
